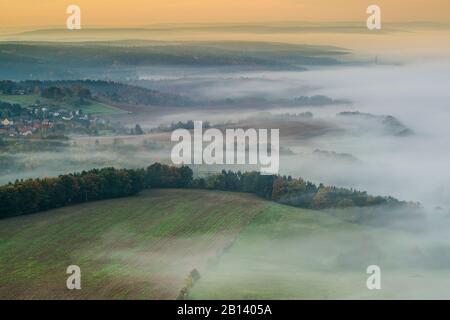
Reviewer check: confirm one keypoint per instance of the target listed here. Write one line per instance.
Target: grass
(100, 108)
(138, 247)
(282, 254)
(244, 247)
(24, 100)
(94, 107)
(291, 253)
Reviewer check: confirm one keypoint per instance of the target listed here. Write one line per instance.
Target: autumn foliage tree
(33, 195)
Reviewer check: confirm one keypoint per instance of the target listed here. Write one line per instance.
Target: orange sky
(126, 13)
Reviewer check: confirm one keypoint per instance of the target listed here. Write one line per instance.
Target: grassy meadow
(292, 253)
(144, 247)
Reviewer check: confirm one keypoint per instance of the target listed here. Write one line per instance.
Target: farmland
(144, 247)
(138, 247)
(94, 107)
(287, 253)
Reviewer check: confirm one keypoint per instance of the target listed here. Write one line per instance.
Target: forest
(34, 195)
(94, 89)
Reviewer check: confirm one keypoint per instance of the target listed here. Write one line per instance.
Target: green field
(290, 253)
(24, 100)
(138, 247)
(93, 108)
(100, 108)
(244, 248)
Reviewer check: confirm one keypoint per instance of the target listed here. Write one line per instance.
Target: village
(39, 112)
(40, 121)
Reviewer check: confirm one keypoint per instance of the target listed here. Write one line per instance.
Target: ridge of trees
(33, 195)
(95, 89)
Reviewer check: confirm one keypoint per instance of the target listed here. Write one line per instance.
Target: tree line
(34, 195)
(77, 93)
(95, 89)
(9, 110)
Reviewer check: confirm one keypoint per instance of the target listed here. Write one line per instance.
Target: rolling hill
(144, 247)
(138, 247)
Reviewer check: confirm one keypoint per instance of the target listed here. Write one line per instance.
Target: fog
(361, 152)
(412, 250)
(413, 167)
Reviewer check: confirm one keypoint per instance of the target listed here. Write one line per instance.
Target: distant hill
(391, 124)
(78, 60)
(123, 94)
(104, 91)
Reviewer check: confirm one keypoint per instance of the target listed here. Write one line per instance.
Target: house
(47, 124)
(25, 131)
(6, 123)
